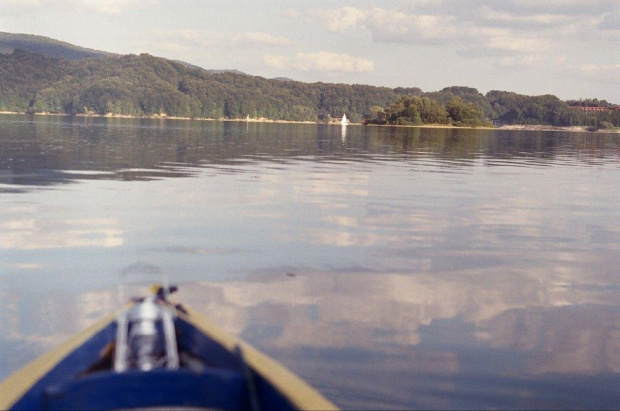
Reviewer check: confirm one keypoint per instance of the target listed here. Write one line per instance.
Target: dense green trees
(417, 110)
(465, 106)
(589, 102)
(464, 114)
(514, 108)
(45, 46)
(466, 94)
(145, 85)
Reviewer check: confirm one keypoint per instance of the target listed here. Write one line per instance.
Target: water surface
(389, 267)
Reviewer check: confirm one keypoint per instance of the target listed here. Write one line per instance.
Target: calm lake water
(389, 267)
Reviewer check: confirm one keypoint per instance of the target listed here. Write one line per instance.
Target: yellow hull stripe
(16, 385)
(290, 385)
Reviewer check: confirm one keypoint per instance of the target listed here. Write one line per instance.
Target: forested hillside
(46, 46)
(144, 85)
(147, 85)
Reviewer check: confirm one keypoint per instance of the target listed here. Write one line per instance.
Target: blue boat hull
(216, 371)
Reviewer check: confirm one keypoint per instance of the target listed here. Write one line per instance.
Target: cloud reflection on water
(27, 232)
(431, 321)
(413, 268)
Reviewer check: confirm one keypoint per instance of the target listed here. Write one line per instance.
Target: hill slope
(46, 46)
(148, 85)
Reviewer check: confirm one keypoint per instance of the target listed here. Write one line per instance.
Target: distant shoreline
(162, 117)
(529, 127)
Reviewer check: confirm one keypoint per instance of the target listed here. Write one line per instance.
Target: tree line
(144, 85)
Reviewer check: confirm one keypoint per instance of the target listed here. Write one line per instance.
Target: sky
(568, 48)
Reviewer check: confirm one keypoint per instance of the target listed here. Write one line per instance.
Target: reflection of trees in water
(498, 144)
(146, 148)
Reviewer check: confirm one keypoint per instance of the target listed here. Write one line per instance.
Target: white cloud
(510, 32)
(108, 7)
(508, 35)
(26, 266)
(326, 61)
(610, 21)
(276, 61)
(518, 62)
(538, 20)
(113, 7)
(259, 38)
(322, 61)
(399, 27)
(202, 47)
(18, 7)
(601, 72)
(525, 8)
(342, 19)
(182, 35)
(203, 38)
(517, 45)
(290, 13)
(21, 3)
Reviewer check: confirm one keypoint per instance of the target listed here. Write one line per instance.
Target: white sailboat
(343, 129)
